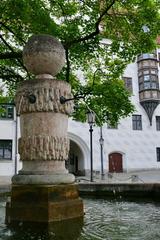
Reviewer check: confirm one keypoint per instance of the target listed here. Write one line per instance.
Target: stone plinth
(36, 203)
(43, 190)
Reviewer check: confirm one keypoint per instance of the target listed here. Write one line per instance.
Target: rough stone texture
(39, 147)
(44, 203)
(43, 167)
(43, 54)
(43, 130)
(47, 93)
(44, 124)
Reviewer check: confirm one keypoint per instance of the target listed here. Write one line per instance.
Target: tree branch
(10, 75)
(10, 48)
(11, 55)
(10, 30)
(10, 78)
(62, 9)
(68, 65)
(94, 33)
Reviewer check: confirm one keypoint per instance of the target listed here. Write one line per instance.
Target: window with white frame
(5, 149)
(128, 83)
(158, 123)
(136, 122)
(6, 111)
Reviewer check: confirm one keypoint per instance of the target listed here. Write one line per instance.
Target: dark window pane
(128, 83)
(154, 85)
(153, 78)
(7, 153)
(147, 85)
(158, 123)
(158, 154)
(1, 152)
(5, 149)
(10, 112)
(137, 122)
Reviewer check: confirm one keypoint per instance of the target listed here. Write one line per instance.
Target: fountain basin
(137, 190)
(104, 219)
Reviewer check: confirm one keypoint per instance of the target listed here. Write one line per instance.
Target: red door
(115, 162)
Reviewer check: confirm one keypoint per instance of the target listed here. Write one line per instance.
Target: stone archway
(75, 163)
(78, 159)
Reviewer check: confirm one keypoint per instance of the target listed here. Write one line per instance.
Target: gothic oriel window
(149, 93)
(149, 81)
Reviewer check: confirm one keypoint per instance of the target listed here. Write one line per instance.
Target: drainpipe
(16, 145)
(16, 135)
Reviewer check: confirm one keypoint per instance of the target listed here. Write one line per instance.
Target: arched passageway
(75, 162)
(78, 160)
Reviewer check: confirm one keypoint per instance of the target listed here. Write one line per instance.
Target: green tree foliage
(82, 25)
(4, 99)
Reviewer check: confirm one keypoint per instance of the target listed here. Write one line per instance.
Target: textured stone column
(43, 145)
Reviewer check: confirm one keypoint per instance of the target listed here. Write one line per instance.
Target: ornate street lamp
(101, 141)
(91, 121)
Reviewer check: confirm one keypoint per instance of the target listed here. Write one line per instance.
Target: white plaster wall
(138, 147)
(7, 132)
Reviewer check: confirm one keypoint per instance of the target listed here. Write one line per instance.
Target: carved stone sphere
(43, 54)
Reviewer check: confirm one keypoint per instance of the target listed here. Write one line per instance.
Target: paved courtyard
(152, 176)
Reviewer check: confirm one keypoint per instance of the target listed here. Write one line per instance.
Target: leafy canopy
(82, 25)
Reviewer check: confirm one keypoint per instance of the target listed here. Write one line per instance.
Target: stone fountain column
(43, 190)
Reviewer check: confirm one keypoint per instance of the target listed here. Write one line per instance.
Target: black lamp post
(91, 121)
(101, 141)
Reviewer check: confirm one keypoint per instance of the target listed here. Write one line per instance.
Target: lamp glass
(91, 117)
(101, 140)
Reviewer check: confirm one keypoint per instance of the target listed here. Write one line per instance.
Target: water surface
(104, 220)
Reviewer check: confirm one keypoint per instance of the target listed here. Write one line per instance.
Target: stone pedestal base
(43, 203)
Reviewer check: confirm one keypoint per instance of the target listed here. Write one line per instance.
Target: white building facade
(134, 144)
(8, 136)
